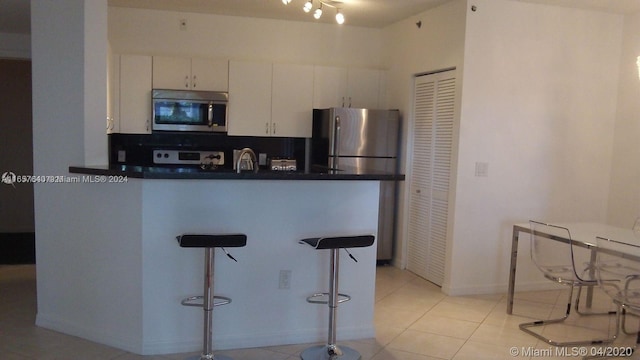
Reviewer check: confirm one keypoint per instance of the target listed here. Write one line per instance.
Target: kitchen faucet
(254, 160)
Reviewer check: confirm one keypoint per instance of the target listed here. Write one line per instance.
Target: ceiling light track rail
(317, 13)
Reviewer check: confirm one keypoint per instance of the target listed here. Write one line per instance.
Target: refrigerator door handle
(336, 144)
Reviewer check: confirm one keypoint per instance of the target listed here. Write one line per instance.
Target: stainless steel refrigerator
(362, 140)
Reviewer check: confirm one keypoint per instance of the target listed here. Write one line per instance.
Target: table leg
(592, 271)
(512, 270)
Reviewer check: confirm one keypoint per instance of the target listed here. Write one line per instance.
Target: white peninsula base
(110, 269)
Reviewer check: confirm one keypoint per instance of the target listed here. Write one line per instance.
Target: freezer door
(365, 164)
(363, 132)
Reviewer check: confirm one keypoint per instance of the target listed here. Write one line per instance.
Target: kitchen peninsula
(274, 210)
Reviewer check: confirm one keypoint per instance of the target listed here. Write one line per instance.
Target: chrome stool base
(209, 357)
(208, 301)
(326, 352)
(331, 351)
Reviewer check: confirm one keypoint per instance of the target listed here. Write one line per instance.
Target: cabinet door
(210, 75)
(249, 98)
(329, 87)
(171, 73)
(292, 100)
(113, 94)
(362, 87)
(135, 94)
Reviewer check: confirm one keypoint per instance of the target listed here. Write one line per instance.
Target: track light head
(307, 6)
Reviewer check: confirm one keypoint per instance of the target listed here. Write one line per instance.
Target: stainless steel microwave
(185, 110)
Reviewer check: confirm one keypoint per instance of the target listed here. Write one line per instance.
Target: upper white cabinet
(292, 100)
(270, 100)
(342, 87)
(363, 88)
(113, 93)
(134, 94)
(190, 74)
(249, 98)
(329, 87)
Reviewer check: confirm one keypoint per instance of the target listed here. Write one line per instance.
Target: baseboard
(223, 342)
(18, 248)
(278, 338)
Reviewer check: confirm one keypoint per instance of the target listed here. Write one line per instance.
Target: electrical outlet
(482, 169)
(284, 279)
(183, 24)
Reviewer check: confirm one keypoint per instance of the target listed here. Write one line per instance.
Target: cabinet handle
(186, 81)
(274, 128)
(343, 101)
(349, 101)
(266, 130)
(194, 81)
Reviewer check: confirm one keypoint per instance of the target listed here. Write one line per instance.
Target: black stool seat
(212, 240)
(340, 242)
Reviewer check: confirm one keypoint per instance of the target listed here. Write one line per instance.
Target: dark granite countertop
(186, 173)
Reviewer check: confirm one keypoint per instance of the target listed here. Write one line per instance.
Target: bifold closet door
(430, 174)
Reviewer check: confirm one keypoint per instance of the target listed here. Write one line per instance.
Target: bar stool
(331, 350)
(209, 243)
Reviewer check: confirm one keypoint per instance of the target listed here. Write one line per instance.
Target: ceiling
(369, 13)
(14, 14)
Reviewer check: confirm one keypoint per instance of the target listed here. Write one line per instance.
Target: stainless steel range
(204, 159)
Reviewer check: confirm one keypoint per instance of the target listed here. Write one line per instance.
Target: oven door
(189, 115)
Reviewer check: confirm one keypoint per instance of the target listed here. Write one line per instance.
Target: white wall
(95, 89)
(624, 195)
(538, 105)
(15, 46)
(154, 32)
(79, 227)
(438, 44)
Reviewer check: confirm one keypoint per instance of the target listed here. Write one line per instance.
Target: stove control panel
(177, 157)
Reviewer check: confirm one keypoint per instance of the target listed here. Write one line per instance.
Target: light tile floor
(414, 321)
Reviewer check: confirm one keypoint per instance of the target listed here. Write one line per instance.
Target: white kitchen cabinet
(134, 101)
(249, 98)
(342, 87)
(292, 100)
(363, 88)
(113, 94)
(190, 73)
(329, 86)
(270, 100)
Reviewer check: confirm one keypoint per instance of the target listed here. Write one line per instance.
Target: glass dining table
(583, 234)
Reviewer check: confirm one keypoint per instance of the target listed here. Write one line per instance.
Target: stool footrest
(198, 301)
(317, 298)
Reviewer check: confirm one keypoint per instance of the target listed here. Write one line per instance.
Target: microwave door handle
(210, 115)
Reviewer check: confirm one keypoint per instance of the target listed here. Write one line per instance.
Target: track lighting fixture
(308, 6)
(318, 13)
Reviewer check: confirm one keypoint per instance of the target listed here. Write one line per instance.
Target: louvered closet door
(430, 174)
